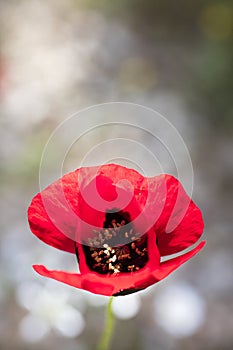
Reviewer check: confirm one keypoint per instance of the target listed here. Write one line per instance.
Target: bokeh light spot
(179, 310)
(70, 323)
(27, 293)
(33, 329)
(126, 307)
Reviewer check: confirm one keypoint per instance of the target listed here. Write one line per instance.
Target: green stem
(107, 334)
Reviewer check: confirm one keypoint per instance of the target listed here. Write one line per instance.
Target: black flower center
(103, 253)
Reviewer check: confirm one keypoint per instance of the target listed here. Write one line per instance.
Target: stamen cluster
(104, 255)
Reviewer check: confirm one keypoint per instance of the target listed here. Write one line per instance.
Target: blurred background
(57, 57)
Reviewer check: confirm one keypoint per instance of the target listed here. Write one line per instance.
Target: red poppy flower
(119, 224)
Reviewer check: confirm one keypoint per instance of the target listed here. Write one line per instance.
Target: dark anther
(104, 255)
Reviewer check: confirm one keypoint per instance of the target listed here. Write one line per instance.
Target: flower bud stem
(105, 339)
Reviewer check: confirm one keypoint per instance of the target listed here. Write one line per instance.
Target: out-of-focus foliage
(204, 24)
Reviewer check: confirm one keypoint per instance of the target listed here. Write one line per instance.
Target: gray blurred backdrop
(57, 57)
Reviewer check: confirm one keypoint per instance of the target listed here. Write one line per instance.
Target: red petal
(180, 224)
(168, 266)
(100, 195)
(92, 282)
(73, 279)
(118, 173)
(87, 282)
(52, 213)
